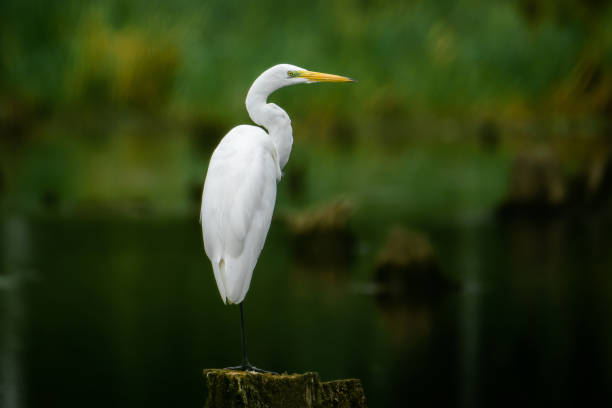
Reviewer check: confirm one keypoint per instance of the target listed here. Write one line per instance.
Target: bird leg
(246, 366)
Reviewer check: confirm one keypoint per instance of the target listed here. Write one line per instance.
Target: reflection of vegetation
(322, 235)
(410, 284)
(539, 186)
(407, 268)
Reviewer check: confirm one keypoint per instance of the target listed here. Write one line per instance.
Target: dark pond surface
(107, 313)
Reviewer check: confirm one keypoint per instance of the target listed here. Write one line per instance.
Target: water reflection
(128, 311)
(469, 266)
(409, 324)
(16, 251)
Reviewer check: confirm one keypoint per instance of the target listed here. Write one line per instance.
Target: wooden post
(239, 389)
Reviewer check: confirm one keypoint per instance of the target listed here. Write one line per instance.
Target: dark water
(109, 313)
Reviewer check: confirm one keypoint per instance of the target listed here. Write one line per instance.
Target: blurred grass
(421, 183)
(117, 105)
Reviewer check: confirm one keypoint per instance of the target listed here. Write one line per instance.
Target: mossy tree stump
(407, 267)
(238, 389)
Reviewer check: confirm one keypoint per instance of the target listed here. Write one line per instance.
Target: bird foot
(249, 367)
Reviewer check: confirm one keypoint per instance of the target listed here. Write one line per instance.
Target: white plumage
(240, 187)
(237, 205)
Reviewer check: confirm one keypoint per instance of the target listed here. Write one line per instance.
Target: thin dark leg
(245, 360)
(246, 366)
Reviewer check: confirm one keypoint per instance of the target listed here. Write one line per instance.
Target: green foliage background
(115, 106)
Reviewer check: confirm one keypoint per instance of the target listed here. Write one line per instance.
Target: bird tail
(236, 279)
(219, 271)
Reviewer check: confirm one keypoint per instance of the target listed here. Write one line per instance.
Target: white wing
(237, 205)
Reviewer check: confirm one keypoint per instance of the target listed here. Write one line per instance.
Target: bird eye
(292, 74)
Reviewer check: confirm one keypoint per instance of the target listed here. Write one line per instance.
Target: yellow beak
(321, 77)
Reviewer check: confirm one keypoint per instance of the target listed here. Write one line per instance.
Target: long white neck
(270, 116)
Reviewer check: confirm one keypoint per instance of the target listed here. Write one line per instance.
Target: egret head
(277, 77)
(297, 75)
(282, 75)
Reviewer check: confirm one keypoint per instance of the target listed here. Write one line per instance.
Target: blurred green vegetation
(116, 105)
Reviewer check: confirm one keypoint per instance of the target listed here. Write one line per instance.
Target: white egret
(240, 186)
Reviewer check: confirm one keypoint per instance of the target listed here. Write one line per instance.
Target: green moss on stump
(238, 389)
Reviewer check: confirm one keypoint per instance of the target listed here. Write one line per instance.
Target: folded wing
(237, 206)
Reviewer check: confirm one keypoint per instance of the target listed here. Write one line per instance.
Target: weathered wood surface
(238, 389)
